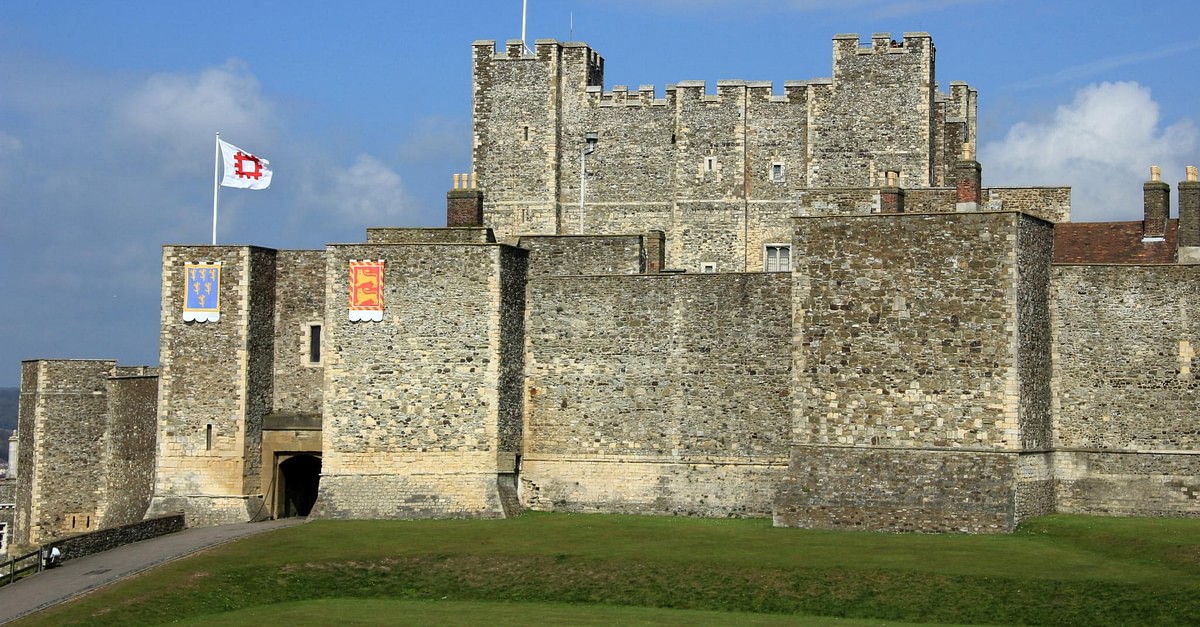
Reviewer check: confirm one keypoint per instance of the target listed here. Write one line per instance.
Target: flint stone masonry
(217, 382)
(909, 329)
(461, 235)
(1126, 411)
(8, 511)
(572, 255)
(422, 399)
(924, 370)
(658, 393)
(82, 545)
(128, 449)
(61, 425)
(917, 331)
(1128, 483)
(1137, 394)
(299, 305)
(898, 490)
(716, 172)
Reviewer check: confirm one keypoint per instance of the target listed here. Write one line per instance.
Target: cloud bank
(1102, 144)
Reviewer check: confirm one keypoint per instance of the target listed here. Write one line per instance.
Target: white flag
(243, 169)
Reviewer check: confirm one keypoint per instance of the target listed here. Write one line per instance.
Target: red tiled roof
(1111, 242)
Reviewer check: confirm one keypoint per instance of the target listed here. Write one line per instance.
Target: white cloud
(9, 145)
(367, 193)
(1101, 145)
(175, 113)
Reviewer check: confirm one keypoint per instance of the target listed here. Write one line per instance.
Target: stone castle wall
(128, 481)
(917, 340)
(569, 255)
(216, 384)
(1125, 383)
(927, 369)
(660, 394)
(299, 306)
(883, 86)
(61, 426)
(416, 425)
(720, 173)
(8, 513)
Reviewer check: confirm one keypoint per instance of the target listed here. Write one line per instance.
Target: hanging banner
(202, 300)
(366, 291)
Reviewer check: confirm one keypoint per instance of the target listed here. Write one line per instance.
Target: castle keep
(802, 304)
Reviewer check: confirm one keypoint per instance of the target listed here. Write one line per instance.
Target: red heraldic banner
(202, 297)
(366, 291)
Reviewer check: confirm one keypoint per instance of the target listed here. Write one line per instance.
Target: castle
(802, 305)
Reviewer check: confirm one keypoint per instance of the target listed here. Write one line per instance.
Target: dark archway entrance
(299, 477)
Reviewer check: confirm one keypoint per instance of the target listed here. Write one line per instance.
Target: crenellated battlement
(731, 141)
(882, 43)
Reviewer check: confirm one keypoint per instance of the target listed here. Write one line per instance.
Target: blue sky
(108, 109)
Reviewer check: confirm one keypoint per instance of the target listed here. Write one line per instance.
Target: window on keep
(777, 258)
(314, 344)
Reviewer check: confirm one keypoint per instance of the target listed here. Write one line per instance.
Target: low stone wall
(412, 495)
(99, 541)
(1109, 483)
(207, 511)
(715, 488)
(898, 490)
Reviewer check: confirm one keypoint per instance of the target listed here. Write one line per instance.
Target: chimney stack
(891, 196)
(1157, 206)
(1188, 246)
(970, 181)
(464, 203)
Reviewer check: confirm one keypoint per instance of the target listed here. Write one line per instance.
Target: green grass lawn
(591, 569)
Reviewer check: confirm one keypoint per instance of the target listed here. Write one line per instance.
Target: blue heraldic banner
(202, 299)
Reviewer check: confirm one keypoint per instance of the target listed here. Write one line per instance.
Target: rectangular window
(525, 133)
(708, 267)
(710, 164)
(777, 258)
(3, 537)
(776, 172)
(208, 438)
(314, 344)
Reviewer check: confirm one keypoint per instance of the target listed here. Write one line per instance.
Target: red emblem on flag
(247, 166)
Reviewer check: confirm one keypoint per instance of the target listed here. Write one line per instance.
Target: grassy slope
(1059, 569)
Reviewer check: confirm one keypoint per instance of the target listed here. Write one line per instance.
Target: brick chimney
(1189, 210)
(655, 242)
(891, 196)
(464, 203)
(1157, 206)
(970, 181)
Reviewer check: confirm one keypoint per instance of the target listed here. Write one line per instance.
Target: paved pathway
(79, 576)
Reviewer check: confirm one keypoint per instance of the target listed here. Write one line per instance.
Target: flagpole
(216, 185)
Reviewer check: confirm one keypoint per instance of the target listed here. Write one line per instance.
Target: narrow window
(208, 438)
(710, 164)
(777, 258)
(314, 344)
(777, 173)
(525, 133)
(708, 267)
(3, 537)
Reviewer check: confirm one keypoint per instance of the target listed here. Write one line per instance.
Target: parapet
(847, 46)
